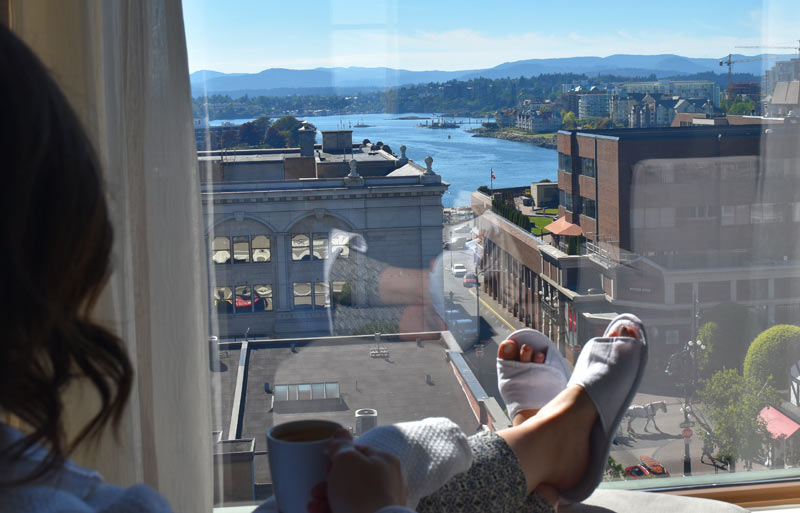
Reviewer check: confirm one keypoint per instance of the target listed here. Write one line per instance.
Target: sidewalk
(494, 307)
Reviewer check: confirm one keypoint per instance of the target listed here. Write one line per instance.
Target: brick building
(672, 219)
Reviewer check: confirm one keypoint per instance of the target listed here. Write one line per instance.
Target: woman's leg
(495, 482)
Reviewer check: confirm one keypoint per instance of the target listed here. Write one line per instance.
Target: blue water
(463, 161)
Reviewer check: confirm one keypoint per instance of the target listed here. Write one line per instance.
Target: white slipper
(528, 385)
(609, 369)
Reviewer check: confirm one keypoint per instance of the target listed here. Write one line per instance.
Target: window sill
(766, 488)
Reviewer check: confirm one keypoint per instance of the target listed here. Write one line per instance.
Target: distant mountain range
(281, 81)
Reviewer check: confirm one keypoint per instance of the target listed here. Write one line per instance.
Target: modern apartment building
(538, 121)
(683, 88)
(594, 104)
(784, 71)
(673, 218)
(298, 238)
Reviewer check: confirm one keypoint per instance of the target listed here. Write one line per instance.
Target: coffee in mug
(298, 460)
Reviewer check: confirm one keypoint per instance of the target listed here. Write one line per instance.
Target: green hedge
(512, 214)
(773, 353)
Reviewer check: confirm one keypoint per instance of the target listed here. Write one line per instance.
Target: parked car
(464, 228)
(464, 329)
(637, 472)
(459, 270)
(470, 280)
(654, 467)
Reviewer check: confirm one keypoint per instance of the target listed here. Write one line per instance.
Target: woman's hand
(360, 480)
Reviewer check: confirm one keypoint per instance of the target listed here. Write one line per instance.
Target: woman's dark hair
(54, 261)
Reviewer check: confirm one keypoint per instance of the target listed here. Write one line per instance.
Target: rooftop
(397, 386)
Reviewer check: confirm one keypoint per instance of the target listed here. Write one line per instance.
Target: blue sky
(248, 36)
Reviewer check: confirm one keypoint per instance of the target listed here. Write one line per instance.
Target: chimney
(307, 136)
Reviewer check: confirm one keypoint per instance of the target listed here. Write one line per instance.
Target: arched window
(320, 243)
(301, 244)
(241, 249)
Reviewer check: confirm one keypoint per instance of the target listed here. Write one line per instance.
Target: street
(664, 443)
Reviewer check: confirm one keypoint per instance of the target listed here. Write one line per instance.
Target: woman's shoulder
(105, 498)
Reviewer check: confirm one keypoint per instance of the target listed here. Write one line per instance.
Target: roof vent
(366, 419)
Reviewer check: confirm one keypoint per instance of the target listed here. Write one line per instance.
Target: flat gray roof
(395, 386)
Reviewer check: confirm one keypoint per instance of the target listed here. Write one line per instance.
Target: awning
(563, 227)
(778, 424)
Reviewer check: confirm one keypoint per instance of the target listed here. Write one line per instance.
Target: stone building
(298, 238)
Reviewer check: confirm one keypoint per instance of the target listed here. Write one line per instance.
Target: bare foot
(510, 350)
(553, 446)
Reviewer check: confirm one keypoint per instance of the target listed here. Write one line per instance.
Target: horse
(648, 411)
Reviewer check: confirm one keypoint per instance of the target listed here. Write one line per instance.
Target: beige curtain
(123, 65)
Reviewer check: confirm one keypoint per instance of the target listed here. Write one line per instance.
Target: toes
(526, 353)
(508, 350)
(625, 330)
(628, 331)
(538, 357)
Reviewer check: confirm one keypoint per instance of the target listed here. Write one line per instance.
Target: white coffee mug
(298, 460)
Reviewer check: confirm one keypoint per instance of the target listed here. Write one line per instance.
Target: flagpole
(491, 180)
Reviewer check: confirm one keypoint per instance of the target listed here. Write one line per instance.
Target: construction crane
(730, 62)
(795, 47)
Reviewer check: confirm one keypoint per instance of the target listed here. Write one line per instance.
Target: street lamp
(688, 361)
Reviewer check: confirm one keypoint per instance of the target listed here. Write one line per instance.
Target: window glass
(302, 295)
(223, 300)
(691, 226)
(281, 393)
(342, 293)
(320, 246)
(221, 250)
(300, 247)
(244, 299)
(241, 249)
(263, 299)
(331, 390)
(588, 207)
(340, 243)
(322, 295)
(261, 248)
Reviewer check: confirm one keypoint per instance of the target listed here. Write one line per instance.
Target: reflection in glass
(300, 247)
(322, 295)
(263, 297)
(320, 247)
(223, 299)
(302, 295)
(241, 249)
(340, 242)
(244, 299)
(261, 248)
(221, 250)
